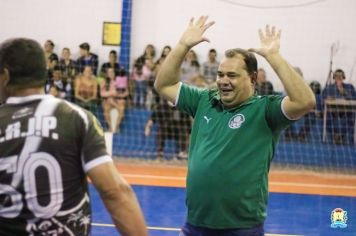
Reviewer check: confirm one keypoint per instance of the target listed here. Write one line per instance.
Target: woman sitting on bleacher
(114, 92)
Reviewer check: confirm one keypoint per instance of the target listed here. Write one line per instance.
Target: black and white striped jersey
(46, 147)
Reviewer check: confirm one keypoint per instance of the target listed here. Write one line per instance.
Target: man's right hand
(193, 35)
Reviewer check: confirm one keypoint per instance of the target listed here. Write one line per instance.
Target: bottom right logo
(338, 218)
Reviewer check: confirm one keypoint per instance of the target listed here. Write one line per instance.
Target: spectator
(149, 53)
(210, 68)
(341, 122)
(57, 81)
(165, 51)
(86, 90)
(87, 59)
(112, 63)
(263, 86)
(51, 57)
(190, 66)
(67, 65)
(69, 72)
(141, 75)
(168, 127)
(113, 99)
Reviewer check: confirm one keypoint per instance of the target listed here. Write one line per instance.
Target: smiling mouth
(225, 90)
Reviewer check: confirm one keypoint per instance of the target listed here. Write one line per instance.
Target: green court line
(177, 229)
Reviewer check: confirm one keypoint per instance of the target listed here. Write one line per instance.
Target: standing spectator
(341, 122)
(165, 51)
(168, 127)
(234, 134)
(141, 74)
(112, 63)
(155, 96)
(67, 65)
(210, 68)
(51, 57)
(86, 90)
(263, 86)
(149, 53)
(190, 66)
(87, 59)
(53, 149)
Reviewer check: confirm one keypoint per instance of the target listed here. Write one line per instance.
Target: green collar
(215, 100)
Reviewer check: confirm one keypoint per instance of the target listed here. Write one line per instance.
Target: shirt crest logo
(236, 121)
(338, 218)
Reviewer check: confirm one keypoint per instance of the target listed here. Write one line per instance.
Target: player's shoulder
(73, 111)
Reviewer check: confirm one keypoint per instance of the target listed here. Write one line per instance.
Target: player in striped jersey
(47, 149)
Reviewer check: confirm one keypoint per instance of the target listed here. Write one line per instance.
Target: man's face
(48, 47)
(65, 54)
(233, 81)
(339, 78)
(212, 56)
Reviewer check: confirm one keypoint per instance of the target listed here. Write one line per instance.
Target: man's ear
(6, 77)
(253, 77)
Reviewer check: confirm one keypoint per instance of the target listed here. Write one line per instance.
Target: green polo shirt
(229, 157)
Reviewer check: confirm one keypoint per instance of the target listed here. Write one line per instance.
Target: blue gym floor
(288, 214)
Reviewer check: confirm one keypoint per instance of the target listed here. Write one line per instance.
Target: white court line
(177, 229)
(270, 182)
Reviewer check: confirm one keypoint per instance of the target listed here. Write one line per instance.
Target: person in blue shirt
(342, 122)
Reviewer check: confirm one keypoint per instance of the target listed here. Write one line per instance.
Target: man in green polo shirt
(234, 133)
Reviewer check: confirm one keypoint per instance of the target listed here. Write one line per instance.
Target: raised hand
(270, 42)
(193, 35)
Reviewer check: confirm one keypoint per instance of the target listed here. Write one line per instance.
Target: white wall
(67, 22)
(307, 31)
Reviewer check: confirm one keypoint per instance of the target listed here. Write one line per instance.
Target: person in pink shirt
(141, 75)
(112, 99)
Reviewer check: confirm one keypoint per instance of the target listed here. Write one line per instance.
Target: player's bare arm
(119, 199)
(167, 81)
(300, 99)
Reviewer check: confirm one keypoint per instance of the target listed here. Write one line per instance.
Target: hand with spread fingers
(194, 34)
(270, 41)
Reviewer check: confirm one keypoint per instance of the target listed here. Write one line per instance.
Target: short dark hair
(315, 87)
(249, 59)
(85, 46)
(212, 50)
(113, 52)
(25, 61)
(339, 71)
(50, 43)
